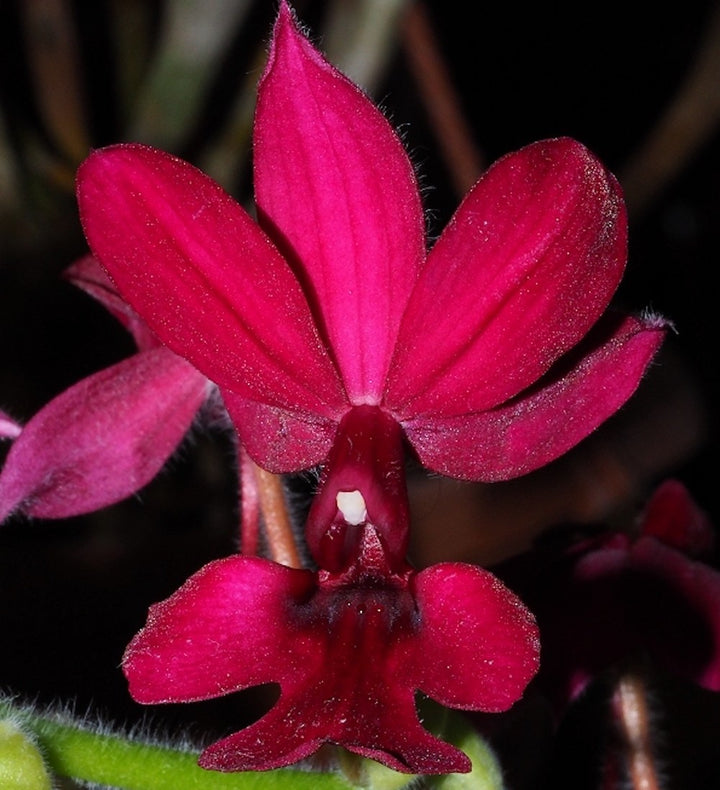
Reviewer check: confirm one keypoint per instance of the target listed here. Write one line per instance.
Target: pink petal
(280, 440)
(204, 277)
(9, 429)
(536, 428)
(87, 274)
(333, 181)
(102, 439)
(480, 644)
(224, 630)
(698, 585)
(673, 517)
(524, 269)
(618, 603)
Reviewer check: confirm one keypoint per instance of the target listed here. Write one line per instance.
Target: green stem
(80, 752)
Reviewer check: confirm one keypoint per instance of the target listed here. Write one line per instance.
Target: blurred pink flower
(616, 597)
(349, 651)
(108, 435)
(328, 312)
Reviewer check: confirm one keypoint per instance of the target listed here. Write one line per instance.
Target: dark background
(75, 591)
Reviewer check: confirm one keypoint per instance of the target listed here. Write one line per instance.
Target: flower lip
(349, 650)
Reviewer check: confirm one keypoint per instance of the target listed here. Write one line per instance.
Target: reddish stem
(441, 101)
(249, 504)
(631, 708)
(278, 528)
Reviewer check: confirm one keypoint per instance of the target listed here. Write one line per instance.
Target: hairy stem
(80, 752)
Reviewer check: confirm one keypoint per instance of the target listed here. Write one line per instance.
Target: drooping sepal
(103, 438)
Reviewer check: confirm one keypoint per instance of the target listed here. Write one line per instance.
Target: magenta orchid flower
(105, 437)
(328, 319)
(616, 597)
(349, 651)
(336, 339)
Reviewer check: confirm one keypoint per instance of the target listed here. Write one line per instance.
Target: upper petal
(337, 192)
(525, 267)
(204, 276)
(224, 630)
(103, 438)
(479, 643)
(546, 422)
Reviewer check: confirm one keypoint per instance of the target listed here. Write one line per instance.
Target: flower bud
(21, 763)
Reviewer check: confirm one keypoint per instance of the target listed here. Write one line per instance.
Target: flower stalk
(85, 752)
(278, 529)
(630, 705)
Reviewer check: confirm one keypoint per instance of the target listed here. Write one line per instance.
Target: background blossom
(108, 435)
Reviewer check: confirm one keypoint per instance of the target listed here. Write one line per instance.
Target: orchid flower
(349, 651)
(328, 319)
(337, 339)
(108, 435)
(617, 597)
